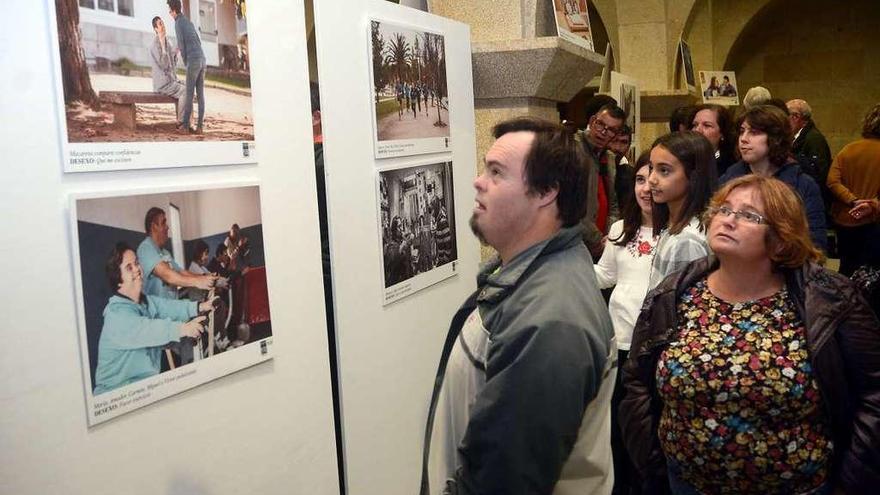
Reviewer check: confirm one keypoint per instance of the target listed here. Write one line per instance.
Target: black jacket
(813, 154)
(843, 336)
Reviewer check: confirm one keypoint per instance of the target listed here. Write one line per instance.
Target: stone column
(520, 66)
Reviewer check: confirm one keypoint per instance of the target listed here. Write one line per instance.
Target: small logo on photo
(245, 150)
(264, 348)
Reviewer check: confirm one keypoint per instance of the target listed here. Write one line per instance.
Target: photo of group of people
(172, 291)
(573, 22)
(133, 75)
(719, 87)
(418, 227)
(410, 90)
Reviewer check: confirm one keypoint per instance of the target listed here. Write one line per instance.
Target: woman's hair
(112, 265)
(697, 157)
(871, 127)
(631, 212)
(773, 122)
(723, 118)
(788, 239)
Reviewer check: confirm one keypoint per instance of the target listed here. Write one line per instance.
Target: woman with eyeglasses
(755, 370)
(765, 148)
(682, 179)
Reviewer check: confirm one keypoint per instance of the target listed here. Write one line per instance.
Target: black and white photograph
(172, 291)
(153, 83)
(573, 22)
(687, 64)
(719, 87)
(410, 92)
(417, 219)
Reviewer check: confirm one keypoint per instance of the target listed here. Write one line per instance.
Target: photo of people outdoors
(409, 89)
(573, 22)
(153, 71)
(719, 87)
(169, 281)
(418, 227)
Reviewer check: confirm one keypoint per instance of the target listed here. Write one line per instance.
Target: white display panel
(387, 355)
(267, 429)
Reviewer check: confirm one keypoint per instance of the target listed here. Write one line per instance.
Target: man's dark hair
(111, 266)
(316, 96)
(151, 216)
(871, 126)
(555, 160)
(681, 116)
(220, 250)
(200, 248)
(174, 6)
(780, 104)
(155, 20)
(614, 111)
(595, 104)
(696, 155)
(771, 120)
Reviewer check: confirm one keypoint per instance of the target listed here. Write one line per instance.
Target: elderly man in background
(809, 147)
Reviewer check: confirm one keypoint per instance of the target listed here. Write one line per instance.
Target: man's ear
(549, 196)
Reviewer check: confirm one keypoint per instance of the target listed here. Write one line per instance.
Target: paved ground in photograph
(407, 126)
(228, 115)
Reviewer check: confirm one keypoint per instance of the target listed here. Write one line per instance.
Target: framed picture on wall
(172, 292)
(573, 22)
(409, 89)
(719, 87)
(687, 65)
(417, 228)
(625, 90)
(131, 95)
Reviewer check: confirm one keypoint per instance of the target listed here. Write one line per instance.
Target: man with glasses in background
(602, 209)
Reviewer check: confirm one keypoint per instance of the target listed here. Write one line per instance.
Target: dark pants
(625, 477)
(858, 246)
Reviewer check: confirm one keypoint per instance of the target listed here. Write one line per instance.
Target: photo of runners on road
(409, 88)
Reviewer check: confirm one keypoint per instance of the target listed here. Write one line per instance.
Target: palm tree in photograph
(397, 56)
(380, 76)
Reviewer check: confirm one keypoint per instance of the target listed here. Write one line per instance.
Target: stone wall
(796, 49)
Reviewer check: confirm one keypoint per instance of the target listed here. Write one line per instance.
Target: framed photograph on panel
(573, 22)
(140, 85)
(719, 87)
(417, 222)
(154, 322)
(409, 89)
(625, 90)
(687, 64)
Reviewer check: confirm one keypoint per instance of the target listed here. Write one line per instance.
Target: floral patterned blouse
(742, 411)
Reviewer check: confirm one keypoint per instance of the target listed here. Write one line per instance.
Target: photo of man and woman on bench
(154, 71)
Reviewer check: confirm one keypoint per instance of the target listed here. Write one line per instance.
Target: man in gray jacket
(163, 60)
(193, 57)
(521, 404)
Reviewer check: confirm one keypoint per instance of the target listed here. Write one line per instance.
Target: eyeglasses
(748, 216)
(602, 127)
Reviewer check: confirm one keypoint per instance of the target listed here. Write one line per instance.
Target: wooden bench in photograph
(122, 104)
